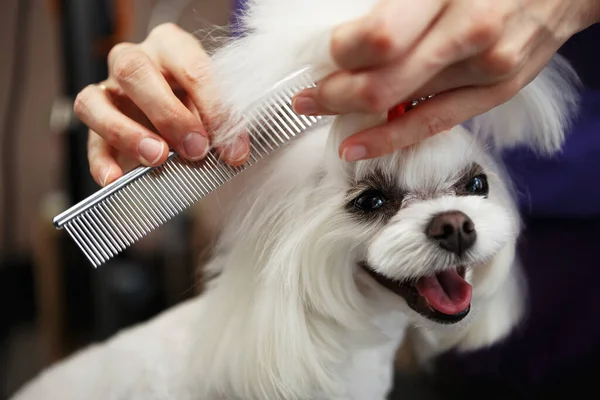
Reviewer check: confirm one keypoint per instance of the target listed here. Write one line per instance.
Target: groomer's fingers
(103, 166)
(94, 109)
(142, 81)
(387, 33)
(446, 110)
(502, 61)
(461, 74)
(427, 119)
(462, 31)
(182, 55)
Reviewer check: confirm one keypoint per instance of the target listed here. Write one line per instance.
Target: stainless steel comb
(123, 212)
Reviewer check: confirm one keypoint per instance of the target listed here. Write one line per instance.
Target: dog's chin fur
(291, 314)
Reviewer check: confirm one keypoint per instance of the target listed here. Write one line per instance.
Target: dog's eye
(370, 200)
(478, 186)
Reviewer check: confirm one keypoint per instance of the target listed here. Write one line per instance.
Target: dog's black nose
(453, 231)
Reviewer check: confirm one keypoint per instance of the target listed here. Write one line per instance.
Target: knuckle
(481, 26)
(436, 123)
(454, 47)
(130, 65)
(118, 49)
(380, 38)
(501, 62)
(390, 142)
(166, 28)
(484, 24)
(114, 133)
(197, 74)
(82, 100)
(169, 116)
(374, 97)
(472, 39)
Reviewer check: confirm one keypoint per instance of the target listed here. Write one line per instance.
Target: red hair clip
(397, 111)
(400, 109)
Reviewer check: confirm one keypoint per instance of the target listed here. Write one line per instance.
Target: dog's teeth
(427, 303)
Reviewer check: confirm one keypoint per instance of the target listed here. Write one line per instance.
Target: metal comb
(123, 212)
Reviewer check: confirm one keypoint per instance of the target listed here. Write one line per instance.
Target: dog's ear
(538, 116)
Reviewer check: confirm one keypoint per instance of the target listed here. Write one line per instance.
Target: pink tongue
(446, 291)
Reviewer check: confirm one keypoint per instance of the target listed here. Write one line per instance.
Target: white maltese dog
(322, 265)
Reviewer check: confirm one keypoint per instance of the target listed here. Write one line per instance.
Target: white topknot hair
(538, 116)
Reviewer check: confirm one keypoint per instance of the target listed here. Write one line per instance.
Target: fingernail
(195, 146)
(150, 150)
(304, 105)
(237, 151)
(104, 175)
(354, 153)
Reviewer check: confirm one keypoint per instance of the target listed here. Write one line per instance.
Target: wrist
(595, 12)
(590, 13)
(566, 18)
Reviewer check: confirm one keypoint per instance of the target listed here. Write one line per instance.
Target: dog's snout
(453, 231)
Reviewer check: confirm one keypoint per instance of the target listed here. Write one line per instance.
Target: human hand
(157, 95)
(473, 54)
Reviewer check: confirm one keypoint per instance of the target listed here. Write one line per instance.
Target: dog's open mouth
(444, 297)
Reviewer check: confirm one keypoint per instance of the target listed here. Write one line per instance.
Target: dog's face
(428, 222)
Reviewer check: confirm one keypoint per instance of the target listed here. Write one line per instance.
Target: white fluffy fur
(291, 316)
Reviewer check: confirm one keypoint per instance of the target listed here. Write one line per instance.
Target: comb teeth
(120, 214)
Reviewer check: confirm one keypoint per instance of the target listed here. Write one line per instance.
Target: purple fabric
(560, 200)
(566, 184)
(238, 7)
